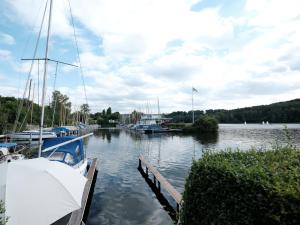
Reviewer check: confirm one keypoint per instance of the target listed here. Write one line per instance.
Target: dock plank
(163, 181)
(77, 216)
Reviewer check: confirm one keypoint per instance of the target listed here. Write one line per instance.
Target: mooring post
(177, 207)
(140, 164)
(154, 180)
(147, 171)
(158, 186)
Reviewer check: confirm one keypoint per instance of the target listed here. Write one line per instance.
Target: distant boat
(245, 123)
(267, 122)
(263, 122)
(150, 123)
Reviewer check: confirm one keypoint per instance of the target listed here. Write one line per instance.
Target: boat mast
(44, 80)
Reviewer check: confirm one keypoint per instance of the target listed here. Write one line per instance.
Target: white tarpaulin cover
(39, 191)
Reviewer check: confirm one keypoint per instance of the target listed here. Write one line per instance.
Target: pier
(160, 182)
(79, 216)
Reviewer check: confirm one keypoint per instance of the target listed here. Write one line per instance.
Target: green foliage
(104, 117)
(244, 188)
(206, 124)
(3, 220)
(281, 112)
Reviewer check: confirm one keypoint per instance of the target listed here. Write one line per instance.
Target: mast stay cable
(30, 71)
(78, 56)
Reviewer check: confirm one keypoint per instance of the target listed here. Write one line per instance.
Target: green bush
(205, 124)
(244, 188)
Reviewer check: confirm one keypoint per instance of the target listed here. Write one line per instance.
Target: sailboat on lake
(45, 190)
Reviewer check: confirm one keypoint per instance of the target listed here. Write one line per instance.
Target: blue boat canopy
(60, 129)
(7, 145)
(70, 154)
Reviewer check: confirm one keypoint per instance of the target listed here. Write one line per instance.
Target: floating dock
(79, 217)
(158, 182)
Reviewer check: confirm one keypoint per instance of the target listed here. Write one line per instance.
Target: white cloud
(134, 62)
(7, 39)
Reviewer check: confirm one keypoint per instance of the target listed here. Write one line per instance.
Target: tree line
(281, 112)
(57, 113)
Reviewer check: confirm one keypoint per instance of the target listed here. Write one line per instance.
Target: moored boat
(69, 150)
(31, 135)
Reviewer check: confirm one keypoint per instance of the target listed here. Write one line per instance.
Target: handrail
(67, 142)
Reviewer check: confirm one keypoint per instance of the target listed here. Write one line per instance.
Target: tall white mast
(45, 80)
(158, 109)
(193, 105)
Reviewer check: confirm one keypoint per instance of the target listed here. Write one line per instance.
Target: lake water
(121, 195)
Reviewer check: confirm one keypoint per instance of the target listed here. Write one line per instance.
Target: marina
(149, 112)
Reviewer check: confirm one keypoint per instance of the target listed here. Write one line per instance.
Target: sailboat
(43, 190)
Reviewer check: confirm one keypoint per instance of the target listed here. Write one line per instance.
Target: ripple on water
(121, 194)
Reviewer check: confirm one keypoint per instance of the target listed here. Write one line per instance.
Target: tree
(85, 110)
(108, 111)
(206, 124)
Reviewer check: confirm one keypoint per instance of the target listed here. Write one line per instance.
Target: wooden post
(158, 186)
(154, 180)
(147, 171)
(140, 164)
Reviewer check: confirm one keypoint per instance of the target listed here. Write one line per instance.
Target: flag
(194, 89)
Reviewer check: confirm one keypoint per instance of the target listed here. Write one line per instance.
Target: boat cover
(7, 145)
(60, 129)
(74, 148)
(40, 192)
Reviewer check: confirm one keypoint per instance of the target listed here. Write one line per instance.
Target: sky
(236, 53)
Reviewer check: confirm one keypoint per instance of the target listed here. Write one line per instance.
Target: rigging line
(29, 73)
(38, 83)
(32, 103)
(78, 55)
(32, 30)
(55, 100)
(28, 109)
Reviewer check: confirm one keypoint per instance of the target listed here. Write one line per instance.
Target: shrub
(244, 188)
(206, 124)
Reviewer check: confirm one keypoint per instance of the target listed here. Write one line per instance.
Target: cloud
(134, 51)
(7, 39)
(5, 55)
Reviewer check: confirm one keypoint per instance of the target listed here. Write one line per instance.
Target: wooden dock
(160, 181)
(79, 216)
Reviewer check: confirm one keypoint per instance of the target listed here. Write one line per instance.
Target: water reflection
(107, 134)
(121, 194)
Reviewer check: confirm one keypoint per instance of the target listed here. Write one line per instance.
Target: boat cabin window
(69, 159)
(58, 156)
(77, 152)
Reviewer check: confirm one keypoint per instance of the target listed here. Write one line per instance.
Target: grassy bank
(250, 187)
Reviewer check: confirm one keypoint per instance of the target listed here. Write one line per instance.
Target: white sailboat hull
(31, 135)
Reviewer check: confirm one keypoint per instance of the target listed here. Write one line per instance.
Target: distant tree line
(281, 112)
(57, 113)
(106, 117)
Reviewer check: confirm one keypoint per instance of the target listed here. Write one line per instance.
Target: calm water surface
(121, 194)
